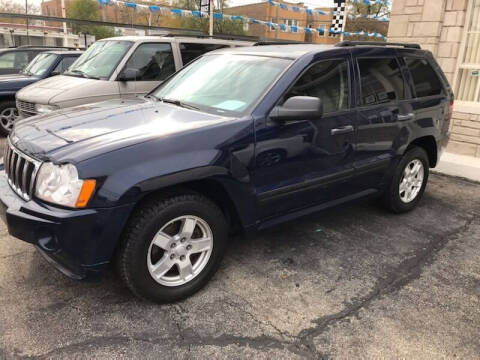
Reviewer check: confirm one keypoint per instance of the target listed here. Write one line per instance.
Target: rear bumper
(441, 146)
(79, 243)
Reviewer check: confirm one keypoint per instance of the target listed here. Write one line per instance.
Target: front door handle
(342, 130)
(409, 116)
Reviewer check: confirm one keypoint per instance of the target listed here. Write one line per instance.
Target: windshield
(99, 61)
(40, 64)
(222, 83)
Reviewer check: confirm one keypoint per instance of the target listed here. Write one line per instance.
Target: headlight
(43, 109)
(59, 184)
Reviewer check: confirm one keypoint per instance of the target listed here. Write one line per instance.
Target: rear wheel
(8, 116)
(408, 182)
(172, 247)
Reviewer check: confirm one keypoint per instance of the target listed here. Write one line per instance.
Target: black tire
(140, 231)
(392, 199)
(3, 106)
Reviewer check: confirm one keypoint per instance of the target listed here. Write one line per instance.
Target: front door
(154, 62)
(306, 162)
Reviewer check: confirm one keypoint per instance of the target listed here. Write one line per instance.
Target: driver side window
(327, 80)
(154, 62)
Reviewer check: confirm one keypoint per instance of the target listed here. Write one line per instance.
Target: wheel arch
(7, 97)
(211, 188)
(429, 144)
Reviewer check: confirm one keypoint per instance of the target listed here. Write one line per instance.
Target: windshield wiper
(82, 74)
(178, 103)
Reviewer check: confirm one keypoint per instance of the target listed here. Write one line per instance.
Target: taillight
(450, 110)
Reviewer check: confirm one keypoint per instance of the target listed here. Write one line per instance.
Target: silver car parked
(119, 67)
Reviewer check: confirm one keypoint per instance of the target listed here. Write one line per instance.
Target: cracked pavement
(350, 282)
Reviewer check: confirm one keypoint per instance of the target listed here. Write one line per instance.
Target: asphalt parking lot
(352, 282)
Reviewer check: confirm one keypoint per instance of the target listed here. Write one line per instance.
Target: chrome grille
(26, 109)
(21, 171)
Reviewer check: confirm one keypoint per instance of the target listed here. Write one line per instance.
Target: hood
(16, 81)
(81, 132)
(44, 91)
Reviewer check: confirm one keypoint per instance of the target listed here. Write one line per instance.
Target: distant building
(266, 12)
(15, 34)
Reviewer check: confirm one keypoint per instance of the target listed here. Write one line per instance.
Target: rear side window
(14, 60)
(381, 81)
(191, 51)
(153, 61)
(424, 77)
(327, 80)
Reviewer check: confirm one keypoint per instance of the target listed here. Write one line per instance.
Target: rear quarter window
(424, 78)
(191, 51)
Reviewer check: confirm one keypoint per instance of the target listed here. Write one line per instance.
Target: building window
(291, 22)
(467, 85)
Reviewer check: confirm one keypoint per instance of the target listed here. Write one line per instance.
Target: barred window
(468, 75)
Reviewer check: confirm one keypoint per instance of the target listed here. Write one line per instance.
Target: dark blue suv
(240, 139)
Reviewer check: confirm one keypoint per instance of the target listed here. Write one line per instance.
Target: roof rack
(201, 35)
(276, 42)
(376, 43)
(46, 47)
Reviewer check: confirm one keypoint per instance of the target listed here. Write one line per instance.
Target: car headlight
(43, 109)
(59, 184)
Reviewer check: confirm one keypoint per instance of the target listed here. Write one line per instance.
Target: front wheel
(408, 182)
(172, 247)
(8, 116)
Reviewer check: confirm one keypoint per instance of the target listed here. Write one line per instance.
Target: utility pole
(26, 13)
(210, 31)
(149, 22)
(64, 15)
(276, 21)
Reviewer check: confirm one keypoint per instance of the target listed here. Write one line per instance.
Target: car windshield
(222, 83)
(99, 61)
(40, 64)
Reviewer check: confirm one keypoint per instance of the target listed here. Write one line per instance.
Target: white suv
(119, 67)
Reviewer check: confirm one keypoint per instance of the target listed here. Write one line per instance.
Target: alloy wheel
(411, 181)
(180, 250)
(8, 116)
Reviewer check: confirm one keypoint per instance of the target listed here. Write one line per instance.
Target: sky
(309, 3)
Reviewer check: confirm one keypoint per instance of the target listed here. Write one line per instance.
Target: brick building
(266, 12)
(451, 30)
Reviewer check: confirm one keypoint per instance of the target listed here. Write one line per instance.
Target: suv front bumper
(79, 243)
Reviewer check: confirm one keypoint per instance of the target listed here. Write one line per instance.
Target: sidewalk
(459, 165)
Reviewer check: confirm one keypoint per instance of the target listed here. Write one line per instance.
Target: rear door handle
(406, 117)
(342, 130)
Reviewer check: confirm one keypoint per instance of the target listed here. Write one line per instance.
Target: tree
(87, 10)
(228, 27)
(361, 20)
(9, 6)
(186, 4)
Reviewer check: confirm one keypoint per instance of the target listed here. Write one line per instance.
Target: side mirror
(298, 108)
(129, 74)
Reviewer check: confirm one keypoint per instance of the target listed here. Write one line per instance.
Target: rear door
(154, 63)
(383, 106)
(432, 95)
